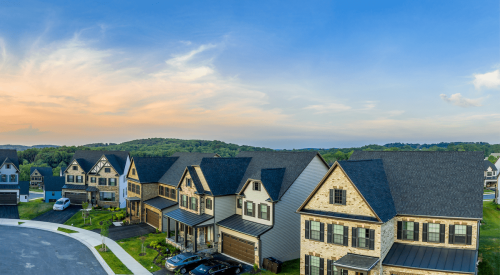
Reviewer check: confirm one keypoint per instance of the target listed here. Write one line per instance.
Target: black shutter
(345, 271)
(343, 196)
(329, 233)
(346, 235)
(253, 209)
(400, 230)
(416, 230)
(442, 229)
(260, 212)
(195, 204)
(372, 239)
(268, 213)
(328, 267)
(307, 265)
(321, 232)
(331, 196)
(246, 209)
(321, 266)
(469, 234)
(354, 242)
(425, 228)
(138, 189)
(307, 228)
(451, 234)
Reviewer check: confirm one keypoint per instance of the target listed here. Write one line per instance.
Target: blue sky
(286, 74)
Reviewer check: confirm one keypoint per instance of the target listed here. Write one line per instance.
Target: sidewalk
(89, 238)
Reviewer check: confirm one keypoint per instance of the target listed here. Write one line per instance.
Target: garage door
(153, 218)
(239, 248)
(8, 198)
(76, 198)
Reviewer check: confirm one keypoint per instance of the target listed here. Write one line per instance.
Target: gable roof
(173, 175)
(54, 183)
(44, 171)
(293, 162)
(487, 164)
(61, 172)
(9, 156)
(24, 187)
(196, 180)
(223, 175)
(88, 158)
(369, 178)
(272, 180)
(151, 169)
(427, 183)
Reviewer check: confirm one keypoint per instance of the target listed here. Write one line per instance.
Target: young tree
(143, 239)
(104, 232)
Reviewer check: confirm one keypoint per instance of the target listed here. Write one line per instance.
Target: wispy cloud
(29, 131)
(489, 80)
(458, 100)
(328, 108)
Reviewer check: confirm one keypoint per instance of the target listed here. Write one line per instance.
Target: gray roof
(53, 183)
(238, 224)
(151, 169)
(294, 162)
(427, 183)
(88, 158)
(188, 218)
(75, 187)
(196, 180)
(63, 168)
(9, 186)
(44, 171)
(92, 189)
(272, 179)
(432, 258)
(132, 198)
(174, 174)
(9, 156)
(24, 187)
(487, 164)
(370, 179)
(356, 261)
(338, 215)
(223, 175)
(160, 203)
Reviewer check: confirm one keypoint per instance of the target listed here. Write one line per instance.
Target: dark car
(184, 262)
(212, 267)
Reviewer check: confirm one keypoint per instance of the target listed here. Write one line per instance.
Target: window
(138, 189)
(8, 166)
(13, 178)
(433, 234)
(315, 265)
(315, 230)
(489, 174)
(107, 196)
(172, 194)
(129, 186)
(240, 203)
(166, 191)
(71, 178)
(408, 229)
(75, 167)
(337, 271)
(107, 170)
(263, 212)
(256, 186)
(363, 238)
(133, 171)
(338, 234)
(338, 196)
(184, 201)
(102, 181)
(193, 205)
(93, 179)
(160, 190)
(249, 208)
(460, 234)
(53, 193)
(112, 181)
(188, 182)
(79, 179)
(209, 203)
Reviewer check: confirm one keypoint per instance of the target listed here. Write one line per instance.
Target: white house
(9, 177)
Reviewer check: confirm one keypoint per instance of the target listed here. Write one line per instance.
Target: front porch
(193, 233)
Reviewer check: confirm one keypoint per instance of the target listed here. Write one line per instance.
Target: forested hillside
(56, 157)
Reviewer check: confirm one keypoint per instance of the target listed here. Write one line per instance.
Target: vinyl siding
(257, 197)
(172, 222)
(224, 207)
(48, 195)
(283, 240)
(122, 185)
(11, 171)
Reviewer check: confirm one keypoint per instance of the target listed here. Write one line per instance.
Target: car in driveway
(185, 262)
(213, 267)
(61, 204)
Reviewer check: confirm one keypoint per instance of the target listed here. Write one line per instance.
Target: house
(24, 191)
(37, 175)
(9, 177)
(152, 186)
(246, 205)
(395, 213)
(98, 177)
(61, 171)
(52, 189)
(490, 174)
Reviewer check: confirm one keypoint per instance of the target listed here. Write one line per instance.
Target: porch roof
(75, 187)
(238, 224)
(188, 218)
(356, 261)
(92, 189)
(132, 198)
(160, 203)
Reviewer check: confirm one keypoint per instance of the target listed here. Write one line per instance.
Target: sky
(277, 74)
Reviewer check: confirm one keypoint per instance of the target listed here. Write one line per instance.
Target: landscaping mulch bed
(158, 260)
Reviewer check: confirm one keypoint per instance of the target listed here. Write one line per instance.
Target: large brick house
(394, 213)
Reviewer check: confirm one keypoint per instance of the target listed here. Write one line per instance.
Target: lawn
(95, 215)
(489, 240)
(34, 208)
(62, 229)
(36, 189)
(133, 247)
(291, 267)
(116, 265)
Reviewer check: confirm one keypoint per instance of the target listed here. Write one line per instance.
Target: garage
(76, 198)
(8, 198)
(238, 248)
(152, 218)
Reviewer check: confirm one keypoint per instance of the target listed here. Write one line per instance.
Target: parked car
(213, 267)
(185, 262)
(61, 204)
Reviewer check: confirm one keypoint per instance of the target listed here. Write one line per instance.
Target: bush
(153, 244)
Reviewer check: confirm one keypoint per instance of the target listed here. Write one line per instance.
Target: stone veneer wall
(107, 187)
(149, 191)
(150, 208)
(75, 173)
(190, 192)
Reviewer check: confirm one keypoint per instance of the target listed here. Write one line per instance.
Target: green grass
(19, 223)
(291, 267)
(97, 216)
(116, 265)
(30, 210)
(33, 189)
(66, 230)
(489, 240)
(133, 247)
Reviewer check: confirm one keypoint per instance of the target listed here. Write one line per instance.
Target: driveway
(128, 231)
(33, 251)
(9, 212)
(59, 216)
(246, 267)
(35, 195)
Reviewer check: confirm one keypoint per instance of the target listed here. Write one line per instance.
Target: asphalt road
(33, 251)
(488, 197)
(59, 216)
(34, 195)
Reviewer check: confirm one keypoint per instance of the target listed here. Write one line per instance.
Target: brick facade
(190, 192)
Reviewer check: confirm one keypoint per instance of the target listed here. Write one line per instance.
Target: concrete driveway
(59, 216)
(33, 251)
(9, 212)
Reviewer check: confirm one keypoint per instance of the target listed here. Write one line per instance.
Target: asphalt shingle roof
(54, 183)
(223, 175)
(188, 218)
(272, 180)
(238, 224)
(426, 183)
(370, 179)
(160, 203)
(487, 164)
(74, 187)
(196, 180)
(88, 158)
(151, 169)
(24, 187)
(9, 156)
(174, 174)
(44, 171)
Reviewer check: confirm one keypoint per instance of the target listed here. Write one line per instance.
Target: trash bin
(266, 264)
(275, 265)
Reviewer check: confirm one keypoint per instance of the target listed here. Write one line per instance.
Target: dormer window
(256, 186)
(188, 182)
(133, 171)
(75, 167)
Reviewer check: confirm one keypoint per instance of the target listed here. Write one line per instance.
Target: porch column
(168, 227)
(176, 231)
(195, 241)
(186, 231)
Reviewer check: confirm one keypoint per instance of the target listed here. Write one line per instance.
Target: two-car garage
(76, 198)
(8, 198)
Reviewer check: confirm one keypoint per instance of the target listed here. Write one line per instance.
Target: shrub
(255, 267)
(157, 231)
(153, 243)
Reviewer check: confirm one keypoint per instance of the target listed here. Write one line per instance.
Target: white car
(61, 204)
